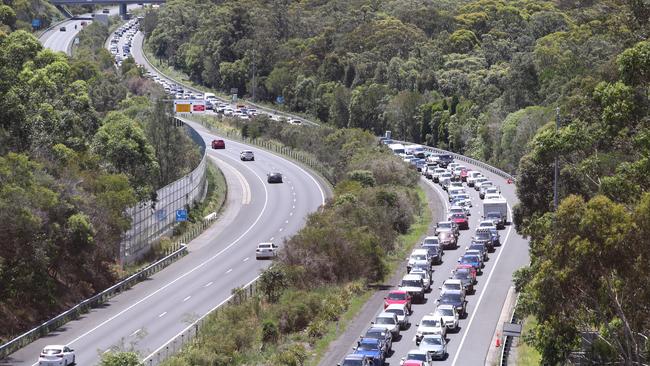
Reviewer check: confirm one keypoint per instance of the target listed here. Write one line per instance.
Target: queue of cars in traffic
(450, 307)
(126, 32)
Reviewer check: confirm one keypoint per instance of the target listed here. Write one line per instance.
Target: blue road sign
(181, 215)
(36, 23)
(279, 99)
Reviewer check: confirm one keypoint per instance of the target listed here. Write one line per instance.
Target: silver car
(435, 345)
(266, 251)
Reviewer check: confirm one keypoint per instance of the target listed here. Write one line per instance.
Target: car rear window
(397, 296)
(52, 351)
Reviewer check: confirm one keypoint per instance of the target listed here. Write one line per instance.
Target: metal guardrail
(92, 302)
(507, 342)
(466, 159)
(270, 145)
(150, 221)
(192, 331)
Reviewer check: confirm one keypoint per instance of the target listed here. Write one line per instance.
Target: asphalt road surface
(58, 40)
(469, 346)
(152, 312)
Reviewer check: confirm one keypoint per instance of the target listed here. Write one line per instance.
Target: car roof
(411, 277)
(397, 292)
(369, 340)
(446, 306)
(396, 306)
(384, 314)
(419, 251)
(54, 346)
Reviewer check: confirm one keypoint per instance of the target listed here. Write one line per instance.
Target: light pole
(556, 168)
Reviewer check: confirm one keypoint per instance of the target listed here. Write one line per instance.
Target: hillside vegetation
(79, 143)
(482, 78)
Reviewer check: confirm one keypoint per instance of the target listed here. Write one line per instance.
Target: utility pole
(556, 168)
(254, 75)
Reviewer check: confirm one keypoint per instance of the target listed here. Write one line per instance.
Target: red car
(398, 297)
(218, 144)
(461, 220)
(463, 175)
(413, 363)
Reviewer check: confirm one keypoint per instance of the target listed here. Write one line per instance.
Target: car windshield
(417, 356)
(433, 341)
(411, 283)
(458, 216)
(375, 333)
(479, 247)
(419, 269)
(451, 297)
(431, 323)
(367, 347)
(52, 351)
(396, 311)
(397, 296)
(357, 362)
(385, 320)
(444, 225)
(452, 286)
(446, 312)
(468, 259)
(483, 235)
(493, 215)
(430, 241)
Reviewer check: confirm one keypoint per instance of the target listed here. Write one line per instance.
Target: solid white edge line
(487, 282)
(246, 188)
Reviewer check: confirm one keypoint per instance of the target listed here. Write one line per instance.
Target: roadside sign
(279, 99)
(181, 215)
(189, 106)
(36, 23)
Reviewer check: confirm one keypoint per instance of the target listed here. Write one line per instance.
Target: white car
(56, 355)
(472, 176)
(421, 268)
(416, 355)
(266, 251)
(387, 321)
(430, 324)
(402, 314)
(417, 255)
(247, 155)
(486, 224)
(435, 345)
(452, 286)
(449, 316)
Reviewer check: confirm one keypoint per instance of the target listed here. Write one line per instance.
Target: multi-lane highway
(221, 259)
(470, 345)
(58, 40)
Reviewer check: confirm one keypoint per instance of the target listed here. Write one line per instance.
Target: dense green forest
(482, 78)
(79, 142)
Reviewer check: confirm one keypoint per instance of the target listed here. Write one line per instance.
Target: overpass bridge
(122, 3)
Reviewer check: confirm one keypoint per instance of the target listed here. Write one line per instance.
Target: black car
(435, 252)
(484, 236)
(274, 177)
(383, 335)
(444, 160)
(480, 247)
(455, 299)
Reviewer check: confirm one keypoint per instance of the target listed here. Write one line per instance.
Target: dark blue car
(472, 260)
(371, 347)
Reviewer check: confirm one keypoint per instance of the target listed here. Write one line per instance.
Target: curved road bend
(223, 257)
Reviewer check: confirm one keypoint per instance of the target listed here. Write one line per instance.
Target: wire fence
(150, 220)
(191, 332)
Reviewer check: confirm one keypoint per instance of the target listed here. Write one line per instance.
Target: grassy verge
(395, 259)
(527, 355)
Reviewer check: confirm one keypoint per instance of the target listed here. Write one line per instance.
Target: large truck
(496, 209)
(397, 148)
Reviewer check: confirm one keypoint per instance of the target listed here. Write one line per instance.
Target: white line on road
(187, 298)
(163, 314)
(286, 221)
(487, 282)
(108, 350)
(228, 271)
(290, 213)
(271, 239)
(201, 265)
(136, 332)
(281, 229)
(208, 284)
(245, 259)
